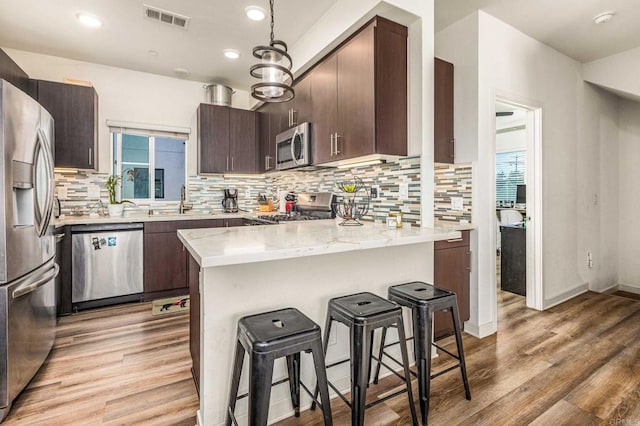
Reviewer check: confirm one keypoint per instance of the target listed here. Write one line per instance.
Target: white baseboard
(561, 298)
(608, 289)
(628, 288)
(481, 331)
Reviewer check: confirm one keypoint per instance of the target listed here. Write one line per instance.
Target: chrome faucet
(183, 196)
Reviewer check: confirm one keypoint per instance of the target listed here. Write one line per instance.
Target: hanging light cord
(271, 7)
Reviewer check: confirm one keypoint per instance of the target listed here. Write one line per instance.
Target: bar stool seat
(424, 299)
(266, 337)
(363, 313)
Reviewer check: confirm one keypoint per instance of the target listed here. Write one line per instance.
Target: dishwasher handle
(29, 288)
(109, 227)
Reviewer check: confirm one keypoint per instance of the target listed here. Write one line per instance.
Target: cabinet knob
(336, 139)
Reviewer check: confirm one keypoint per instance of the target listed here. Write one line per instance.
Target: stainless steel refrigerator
(27, 242)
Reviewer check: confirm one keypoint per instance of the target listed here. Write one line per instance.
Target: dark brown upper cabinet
(75, 112)
(11, 72)
(266, 144)
(359, 95)
(443, 140)
(275, 118)
(227, 140)
(298, 110)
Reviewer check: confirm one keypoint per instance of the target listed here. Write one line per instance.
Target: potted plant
(115, 207)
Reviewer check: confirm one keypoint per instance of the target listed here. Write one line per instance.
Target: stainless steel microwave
(293, 147)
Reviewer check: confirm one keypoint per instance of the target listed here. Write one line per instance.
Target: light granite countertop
(237, 245)
(157, 217)
(456, 226)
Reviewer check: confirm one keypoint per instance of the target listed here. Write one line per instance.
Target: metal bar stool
(266, 337)
(363, 313)
(425, 299)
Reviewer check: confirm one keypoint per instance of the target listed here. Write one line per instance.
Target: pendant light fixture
(273, 70)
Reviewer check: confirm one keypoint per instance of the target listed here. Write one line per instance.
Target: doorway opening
(518, 207)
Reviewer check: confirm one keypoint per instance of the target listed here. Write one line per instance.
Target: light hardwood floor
(575, 364)
(116, 366)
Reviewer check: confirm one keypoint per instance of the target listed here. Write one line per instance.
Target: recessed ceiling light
(603, 17)
(88, 20)
(152, 52)
(255, 13)
(231, 53)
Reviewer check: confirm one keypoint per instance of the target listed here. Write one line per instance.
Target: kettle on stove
(230, 201)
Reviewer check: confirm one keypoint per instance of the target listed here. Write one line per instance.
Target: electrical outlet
(589, 259)
(403, 191)
(457, 203)
(247, 193)
(62, 193)
(93, 192)
(375, 191)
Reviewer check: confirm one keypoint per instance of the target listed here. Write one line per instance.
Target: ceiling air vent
(159, 15)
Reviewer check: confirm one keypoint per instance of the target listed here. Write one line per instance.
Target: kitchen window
(151, 163)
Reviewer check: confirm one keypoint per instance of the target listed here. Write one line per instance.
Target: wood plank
(573, 364)
(564, 413)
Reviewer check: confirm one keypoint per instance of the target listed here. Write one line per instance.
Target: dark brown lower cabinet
(165, 258)
(194, 319)
(452, 266)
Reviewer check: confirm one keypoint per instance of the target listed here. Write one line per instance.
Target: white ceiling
(565, 25)
(126, 37)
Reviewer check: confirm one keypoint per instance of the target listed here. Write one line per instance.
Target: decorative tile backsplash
(205, 193)
(452, 180)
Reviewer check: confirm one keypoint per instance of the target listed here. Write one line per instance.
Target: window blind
(148, 129)
(511, 171)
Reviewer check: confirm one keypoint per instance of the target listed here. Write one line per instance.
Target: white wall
(629, 201)
(127, 95)
(517, 67)
(618, 72)
(597, 190)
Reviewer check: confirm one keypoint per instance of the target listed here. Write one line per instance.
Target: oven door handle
(296, 133)
(22, 291)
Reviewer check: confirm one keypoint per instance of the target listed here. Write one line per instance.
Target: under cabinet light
(361, 164)
(65, 170)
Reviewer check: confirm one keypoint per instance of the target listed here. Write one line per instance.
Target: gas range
(309, 206)
(277, 218)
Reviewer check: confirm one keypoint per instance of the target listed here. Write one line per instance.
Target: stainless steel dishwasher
(106, 264)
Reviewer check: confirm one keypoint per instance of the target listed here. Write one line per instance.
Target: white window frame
(118, 128)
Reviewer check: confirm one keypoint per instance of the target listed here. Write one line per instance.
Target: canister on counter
(398, 218)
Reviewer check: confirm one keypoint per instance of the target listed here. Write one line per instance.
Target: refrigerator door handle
(43, 221)
(22, 291)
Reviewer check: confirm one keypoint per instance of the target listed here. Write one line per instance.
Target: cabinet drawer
(454, 242)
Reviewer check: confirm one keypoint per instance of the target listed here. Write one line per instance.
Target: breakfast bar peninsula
(241, 271)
